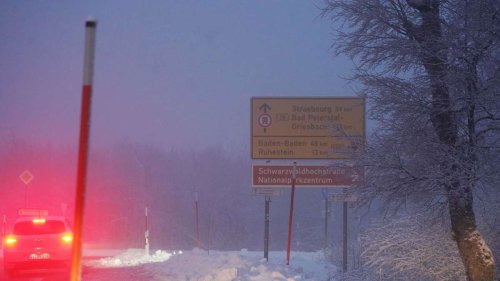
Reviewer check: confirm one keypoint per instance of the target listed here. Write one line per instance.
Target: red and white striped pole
(146, 232)
(88, 68)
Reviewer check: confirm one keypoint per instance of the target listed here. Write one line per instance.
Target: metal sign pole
(90, 30)
(326, 222)
(344, 255)
(25, 196)
(146, 233)
(266, 229)
(290, 221)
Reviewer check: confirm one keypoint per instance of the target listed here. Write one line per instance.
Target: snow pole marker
(90, 30)
(197, 223)
(146, 232)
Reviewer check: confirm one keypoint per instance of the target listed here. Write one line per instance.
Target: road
(35, 275)
(89, 274)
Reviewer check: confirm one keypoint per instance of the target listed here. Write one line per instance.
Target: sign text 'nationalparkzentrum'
(306, 176)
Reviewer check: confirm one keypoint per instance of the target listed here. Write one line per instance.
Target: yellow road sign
(307, 128)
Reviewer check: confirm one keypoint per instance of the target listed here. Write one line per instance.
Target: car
(40, 242)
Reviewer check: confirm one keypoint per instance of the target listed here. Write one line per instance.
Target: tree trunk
(475, 254)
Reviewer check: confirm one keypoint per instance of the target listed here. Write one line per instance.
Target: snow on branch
(408, 248)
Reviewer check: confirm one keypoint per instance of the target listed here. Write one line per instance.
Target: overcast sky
(176, 74)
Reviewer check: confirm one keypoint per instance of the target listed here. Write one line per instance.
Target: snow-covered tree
(430, 70)
(408, 248)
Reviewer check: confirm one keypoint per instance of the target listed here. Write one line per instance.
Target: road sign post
(344, 244)
(266, 228)
(327, 213)
(345, 199)
(315, 128)
(290, 221)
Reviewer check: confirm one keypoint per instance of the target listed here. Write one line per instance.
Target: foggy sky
(176, 74)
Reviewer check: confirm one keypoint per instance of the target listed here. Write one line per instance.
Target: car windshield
(30, 228)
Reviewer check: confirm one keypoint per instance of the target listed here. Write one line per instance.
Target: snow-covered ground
(221, 266)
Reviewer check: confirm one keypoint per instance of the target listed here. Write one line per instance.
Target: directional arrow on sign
(265, 107)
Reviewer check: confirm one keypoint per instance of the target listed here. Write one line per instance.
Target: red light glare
(67, 238)
(38, 221)
(10, 240)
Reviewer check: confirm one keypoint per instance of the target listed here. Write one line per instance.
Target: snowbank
(131, 257)
(222, 266)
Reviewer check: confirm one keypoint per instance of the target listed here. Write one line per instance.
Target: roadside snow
(132, 257)
(222, 266)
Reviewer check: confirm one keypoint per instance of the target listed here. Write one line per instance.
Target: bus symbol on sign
(265, 120)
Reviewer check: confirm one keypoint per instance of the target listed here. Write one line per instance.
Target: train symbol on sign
(265, 120)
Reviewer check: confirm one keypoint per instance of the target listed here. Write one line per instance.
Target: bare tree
(430, 69)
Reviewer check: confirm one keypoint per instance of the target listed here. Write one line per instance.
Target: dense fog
(125, 179)
(173, 122)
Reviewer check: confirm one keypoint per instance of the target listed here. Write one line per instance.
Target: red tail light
(10, 240)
